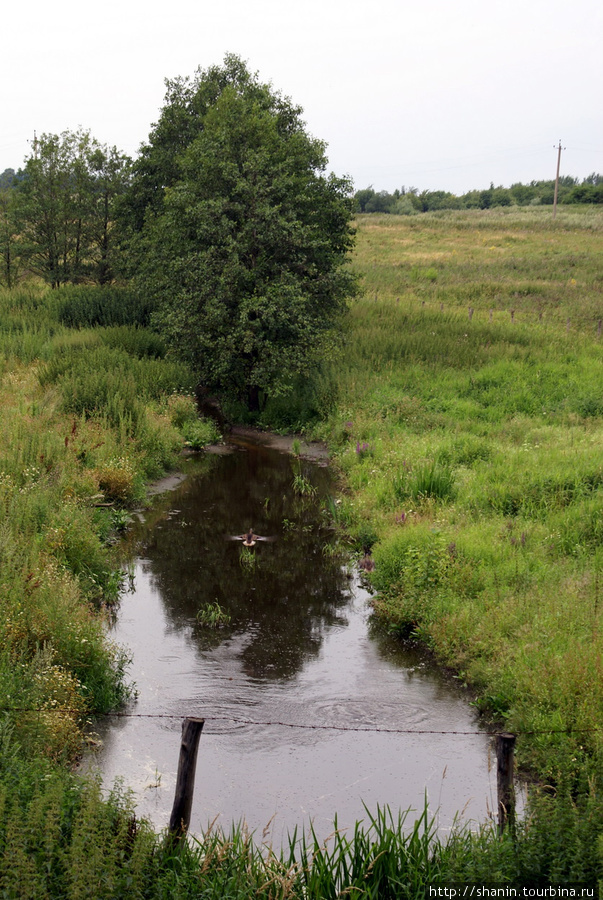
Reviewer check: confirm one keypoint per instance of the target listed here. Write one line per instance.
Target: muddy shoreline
(313, 450)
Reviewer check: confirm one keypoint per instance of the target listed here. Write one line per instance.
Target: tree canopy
(239, 236)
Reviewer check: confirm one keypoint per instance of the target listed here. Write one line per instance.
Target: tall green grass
(474, 370)
(91, 306)
(61, 839)
(86, 418)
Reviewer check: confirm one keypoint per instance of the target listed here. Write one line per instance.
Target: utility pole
(559, 148)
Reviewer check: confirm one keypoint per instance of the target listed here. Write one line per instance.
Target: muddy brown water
(299, 651)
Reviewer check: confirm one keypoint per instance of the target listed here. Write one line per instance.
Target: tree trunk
(253, 398)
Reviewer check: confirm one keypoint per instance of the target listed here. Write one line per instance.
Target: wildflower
(363, 449)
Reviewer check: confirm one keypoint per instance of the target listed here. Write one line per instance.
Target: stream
(303, 703)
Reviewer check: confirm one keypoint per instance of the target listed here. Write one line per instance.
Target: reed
(213, 615)
(63, 839)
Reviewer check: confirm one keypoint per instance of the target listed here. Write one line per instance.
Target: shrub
(199, 433)
(116, 479)
(182, 409)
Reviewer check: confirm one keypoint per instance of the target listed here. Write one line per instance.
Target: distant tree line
(408, 201)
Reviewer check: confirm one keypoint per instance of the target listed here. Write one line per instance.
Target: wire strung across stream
(356, 728)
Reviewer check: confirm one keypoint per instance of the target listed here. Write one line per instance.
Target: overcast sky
(430, 93)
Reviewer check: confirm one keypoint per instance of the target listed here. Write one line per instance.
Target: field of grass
(469, 432)
(87, 417)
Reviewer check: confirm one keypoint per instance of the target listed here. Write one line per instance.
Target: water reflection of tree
(290, 593)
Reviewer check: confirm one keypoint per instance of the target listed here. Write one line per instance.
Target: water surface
(298, 652)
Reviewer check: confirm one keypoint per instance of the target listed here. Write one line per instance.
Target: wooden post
(185, 781)
(505, 746)
(512, 315)
(599, 326)
(559, 149)
(470, 313)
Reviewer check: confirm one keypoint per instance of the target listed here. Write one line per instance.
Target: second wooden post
(505, 747)
(185, 780)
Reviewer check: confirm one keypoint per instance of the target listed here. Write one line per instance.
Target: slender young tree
(10, 228)
(110, 179)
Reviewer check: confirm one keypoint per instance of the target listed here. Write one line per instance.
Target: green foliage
(485, 486)
(138, 342)
(83, 421)
(433, 479)
(199, 434)
(501, 576)
(248, 560)
(108, 381)
(365, 534)
(182, 410)
(60, 838)
(244, 259)
(212, 615)
(184, 415)
(10, 228)
(413, 562)
(302, 485)
(409, 202)
(312, 398)
(85, 306)
(69, 189)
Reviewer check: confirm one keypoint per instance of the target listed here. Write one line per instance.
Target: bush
(182, 409)
(199, 434)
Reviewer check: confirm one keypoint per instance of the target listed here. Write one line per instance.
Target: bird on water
(249, 538)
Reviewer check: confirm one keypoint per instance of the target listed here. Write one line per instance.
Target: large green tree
(242, 236)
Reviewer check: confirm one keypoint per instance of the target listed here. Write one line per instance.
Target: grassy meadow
(470, 432)
(466, 421)
(88, 415)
